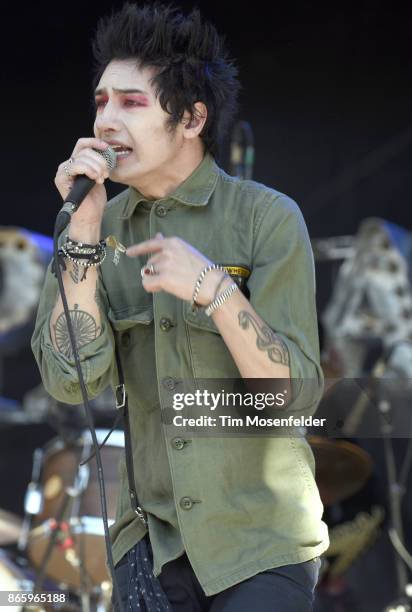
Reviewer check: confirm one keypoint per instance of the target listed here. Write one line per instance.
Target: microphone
(81, 186)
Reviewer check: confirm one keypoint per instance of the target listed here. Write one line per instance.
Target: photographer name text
(224, 420)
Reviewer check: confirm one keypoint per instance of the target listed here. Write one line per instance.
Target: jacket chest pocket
(209, 354)
(134, 336)
(130, 308)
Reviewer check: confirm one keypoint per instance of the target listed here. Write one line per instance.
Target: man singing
(233, 523)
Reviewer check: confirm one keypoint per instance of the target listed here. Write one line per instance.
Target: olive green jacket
(236, 505)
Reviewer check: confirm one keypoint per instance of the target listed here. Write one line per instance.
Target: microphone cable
(102, 491)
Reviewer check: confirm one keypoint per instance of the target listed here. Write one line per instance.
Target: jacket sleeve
(282, 291)
(58, 373)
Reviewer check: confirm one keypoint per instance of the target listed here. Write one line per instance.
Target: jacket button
(169, 383)
(161, 211)
(125, 339)
(178, 443)
(165, 324)
(186, 503)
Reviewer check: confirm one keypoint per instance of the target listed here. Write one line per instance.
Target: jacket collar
(194, 191)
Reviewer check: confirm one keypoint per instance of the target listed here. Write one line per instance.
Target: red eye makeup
(135, 100)
(129, 97)
(100, 101)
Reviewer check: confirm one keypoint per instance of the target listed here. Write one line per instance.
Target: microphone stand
(33, 500)
(68, 495)
(82, 480)
(396, 493)
(242, 151)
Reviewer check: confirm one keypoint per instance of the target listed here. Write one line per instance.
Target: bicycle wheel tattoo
(84, 327)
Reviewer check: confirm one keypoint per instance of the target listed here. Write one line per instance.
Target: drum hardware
(82, 478)
(78, 561)
(33, 500)
(357, 412)
(104, 595)
(397, 481)
(61, 536)
(397, 486)
(378, 383)
(84, 553)
(335, 248)
(58, 536)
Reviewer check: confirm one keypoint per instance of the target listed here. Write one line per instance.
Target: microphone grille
(109, 156)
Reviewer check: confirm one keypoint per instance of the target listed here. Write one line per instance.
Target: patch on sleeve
(240, 273)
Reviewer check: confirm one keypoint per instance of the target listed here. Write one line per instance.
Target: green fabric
(256, 502)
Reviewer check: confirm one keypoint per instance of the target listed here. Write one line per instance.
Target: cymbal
(342, 468)
(10, 528)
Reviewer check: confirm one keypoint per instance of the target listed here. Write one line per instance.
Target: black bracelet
(86, 255)
(75, 248)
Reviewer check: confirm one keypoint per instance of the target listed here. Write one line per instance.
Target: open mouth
(121, 151)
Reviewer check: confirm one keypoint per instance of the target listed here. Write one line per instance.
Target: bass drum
(79, 556)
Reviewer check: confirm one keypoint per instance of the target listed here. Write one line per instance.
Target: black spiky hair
(192, 64)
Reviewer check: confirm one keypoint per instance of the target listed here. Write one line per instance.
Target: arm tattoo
(76, 274)
(267, 340)
(84, 327)
(97, 296)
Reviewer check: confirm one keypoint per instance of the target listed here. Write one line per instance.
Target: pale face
(130, 118)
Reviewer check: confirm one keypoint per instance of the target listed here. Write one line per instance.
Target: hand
(88, 162)
(177, 267)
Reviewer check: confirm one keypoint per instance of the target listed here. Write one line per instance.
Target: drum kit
(60, 542)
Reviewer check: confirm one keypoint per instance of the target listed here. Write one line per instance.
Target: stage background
(327, 90)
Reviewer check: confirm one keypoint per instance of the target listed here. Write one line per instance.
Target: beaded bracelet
(90, 262)
(220, 299)
(86, 255)
(81, 248)
(200, 279)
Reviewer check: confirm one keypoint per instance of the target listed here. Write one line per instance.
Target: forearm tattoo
(97, 297)
(84, 327)
(77, 273)
(267, 340)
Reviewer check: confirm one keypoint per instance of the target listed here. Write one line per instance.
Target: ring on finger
(67, 165)
(148, 269)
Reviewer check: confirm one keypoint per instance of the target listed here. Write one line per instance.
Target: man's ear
(194, 125)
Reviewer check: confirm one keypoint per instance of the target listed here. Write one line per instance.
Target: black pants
(284, 589)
